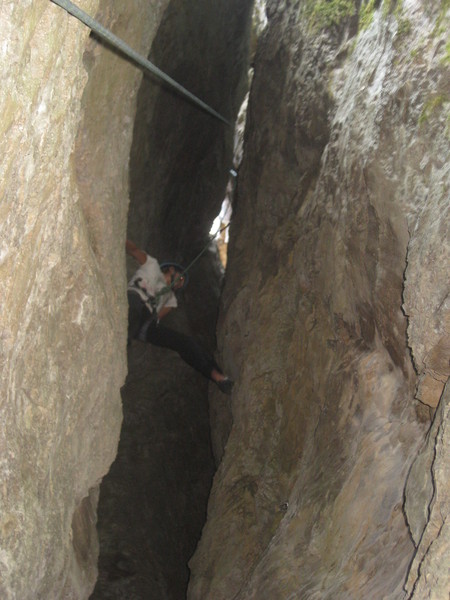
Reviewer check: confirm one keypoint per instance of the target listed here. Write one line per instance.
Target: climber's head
(174, 274)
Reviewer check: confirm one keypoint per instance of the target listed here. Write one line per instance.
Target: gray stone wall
(67, 109)
(334, 321)
(334, 314)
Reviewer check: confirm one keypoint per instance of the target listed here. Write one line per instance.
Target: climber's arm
(135, 252)
(164, 311)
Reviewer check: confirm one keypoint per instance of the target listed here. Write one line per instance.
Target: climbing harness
(118, 43)
(152, 301)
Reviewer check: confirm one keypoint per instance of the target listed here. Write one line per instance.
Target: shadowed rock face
(153, 502)
(181, 156)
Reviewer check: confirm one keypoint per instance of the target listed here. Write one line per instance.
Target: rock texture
(153, 502)
(181, 156)
(334, 317)
(67, 112)
(333, 475)
(427, 509)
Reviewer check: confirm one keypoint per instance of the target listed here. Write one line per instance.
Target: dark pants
(154, 333)
(138, 313)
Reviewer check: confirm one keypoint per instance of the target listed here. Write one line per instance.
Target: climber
(150, 298)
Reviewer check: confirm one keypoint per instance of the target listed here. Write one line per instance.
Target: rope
(168, 288)
(211, 238)
(118, 43)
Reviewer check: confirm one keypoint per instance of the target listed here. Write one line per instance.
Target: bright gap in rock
(220, 227)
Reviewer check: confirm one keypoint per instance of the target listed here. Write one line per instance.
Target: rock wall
(181, 156)
(333, 482)
(67, 113)
(334, 318)
(153, 502)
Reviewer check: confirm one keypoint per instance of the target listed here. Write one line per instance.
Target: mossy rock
(322, 14)
(431, 106)
(366, 13)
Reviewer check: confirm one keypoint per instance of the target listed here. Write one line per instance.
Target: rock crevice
(333, 317)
